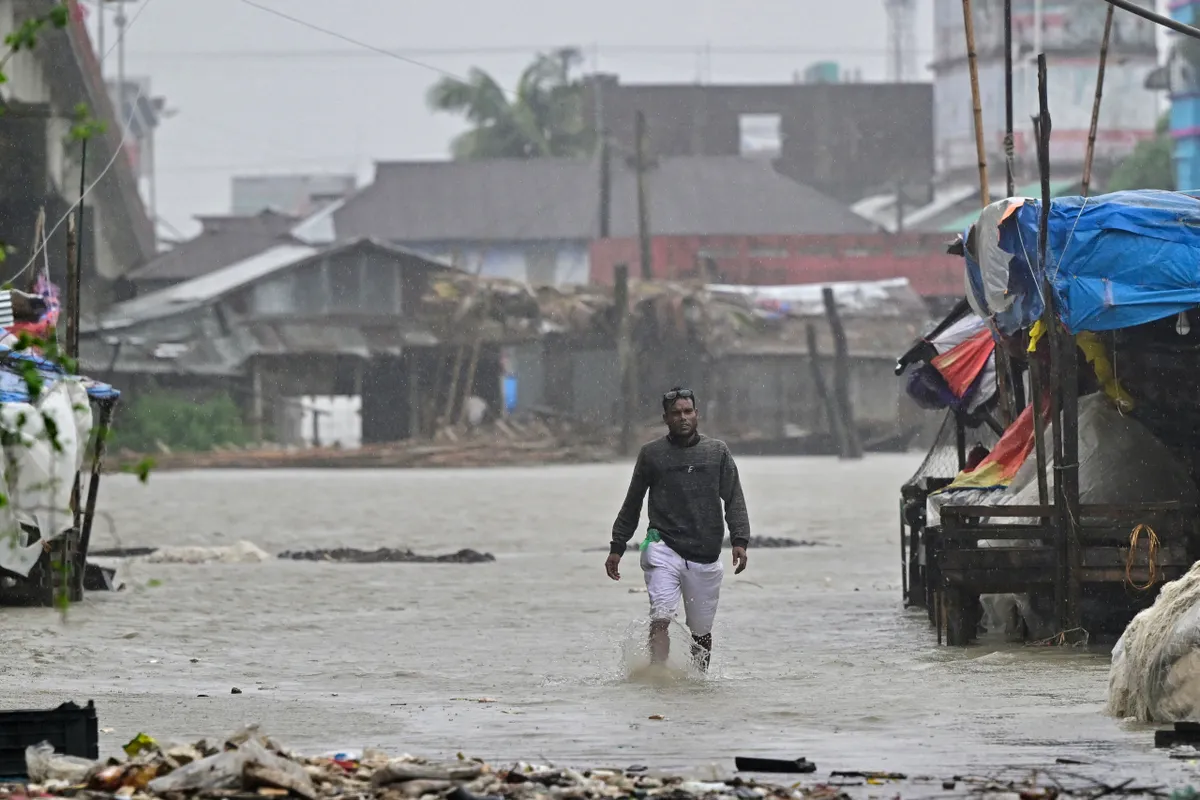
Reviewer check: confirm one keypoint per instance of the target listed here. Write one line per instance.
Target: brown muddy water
(814, 654)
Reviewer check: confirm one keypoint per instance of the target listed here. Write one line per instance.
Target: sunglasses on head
(679, 394)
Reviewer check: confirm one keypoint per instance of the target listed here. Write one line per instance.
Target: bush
(179, 422)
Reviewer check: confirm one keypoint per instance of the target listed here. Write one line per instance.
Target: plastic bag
(228, 769)
(43, 765)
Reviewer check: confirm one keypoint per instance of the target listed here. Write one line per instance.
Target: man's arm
(631, 510)
(736, 516)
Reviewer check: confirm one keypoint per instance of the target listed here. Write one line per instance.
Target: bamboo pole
(977, 105)
(469, 383)
(643, 209)
(1091, 143)
(1009, 183)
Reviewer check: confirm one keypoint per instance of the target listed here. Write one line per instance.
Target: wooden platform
(1025, 558)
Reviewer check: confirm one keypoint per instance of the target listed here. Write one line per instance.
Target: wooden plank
(996, 512)
(1139, 576)
(997, 558)
(995, 532)
(1175, 555)
(1095, 536)
(1130, 511)
(986, 581)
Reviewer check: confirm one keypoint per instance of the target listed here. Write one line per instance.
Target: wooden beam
(841, 376)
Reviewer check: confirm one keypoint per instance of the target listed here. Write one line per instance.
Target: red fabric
(961, 365)
(1006, 458)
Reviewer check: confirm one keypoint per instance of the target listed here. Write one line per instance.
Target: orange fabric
(961, 365)
(1001, 465)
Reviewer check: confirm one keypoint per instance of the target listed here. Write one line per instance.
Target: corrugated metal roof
(198, 291)
(318, 229)
(224, 241)
(558, 199)
(1057, 188)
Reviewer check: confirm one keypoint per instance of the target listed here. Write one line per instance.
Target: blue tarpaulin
(1114, 261)
(13, 388)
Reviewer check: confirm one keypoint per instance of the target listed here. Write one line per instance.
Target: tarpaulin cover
(997, 470)
(962, 365)
(1113, 261)
(13, 387)
(962, 375)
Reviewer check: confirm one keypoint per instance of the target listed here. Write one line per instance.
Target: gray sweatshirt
(688, 483)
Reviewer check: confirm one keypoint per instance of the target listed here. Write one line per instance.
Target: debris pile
(251, 765)
(387, 555)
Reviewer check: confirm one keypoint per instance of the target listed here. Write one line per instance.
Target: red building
(778, 260)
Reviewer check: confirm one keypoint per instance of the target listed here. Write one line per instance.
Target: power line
(350, 40)
(411, 54)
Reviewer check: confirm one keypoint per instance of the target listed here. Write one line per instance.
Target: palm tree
(543, 117)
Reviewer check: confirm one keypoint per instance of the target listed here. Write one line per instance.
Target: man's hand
(612, 566)
(739, 560)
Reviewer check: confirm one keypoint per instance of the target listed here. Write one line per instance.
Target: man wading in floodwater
(689, 477)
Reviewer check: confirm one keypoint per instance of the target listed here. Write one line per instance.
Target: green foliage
(84, 125)
(25, 37)
(179, 423)
(1151, 165)
(544, 117)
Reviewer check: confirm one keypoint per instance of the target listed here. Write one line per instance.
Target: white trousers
(669, 579)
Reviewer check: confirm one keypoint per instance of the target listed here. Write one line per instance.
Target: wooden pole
(643, 211)
(841, 376)
(836, 429)
(1009, 184)
(99, 443)
(624, 355)
(1091, 143)
(469, 383)
(1037, 380)
(977, 105)
(72, 298)
(605, 187)
(1059, 388)
(75, 255)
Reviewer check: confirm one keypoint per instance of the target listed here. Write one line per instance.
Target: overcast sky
(258, 94)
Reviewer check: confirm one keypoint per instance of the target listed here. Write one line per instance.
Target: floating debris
(387, 555)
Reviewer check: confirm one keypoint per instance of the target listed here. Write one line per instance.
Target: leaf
(153, 583)
(60, 16)
(142, 469)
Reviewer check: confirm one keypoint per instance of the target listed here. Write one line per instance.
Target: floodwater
(814, 657)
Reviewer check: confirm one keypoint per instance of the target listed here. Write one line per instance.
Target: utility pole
(121, 21)
(639, 132)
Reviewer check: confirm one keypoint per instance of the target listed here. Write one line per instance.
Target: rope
(1060, 639)
(1152, 556)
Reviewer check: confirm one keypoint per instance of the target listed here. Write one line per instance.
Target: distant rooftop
(559, 199)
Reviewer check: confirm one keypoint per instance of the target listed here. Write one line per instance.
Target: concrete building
(534, 220)
(1183, 84)
(847, 140)
(1070, 33)
(40, 164)
(297, 195)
